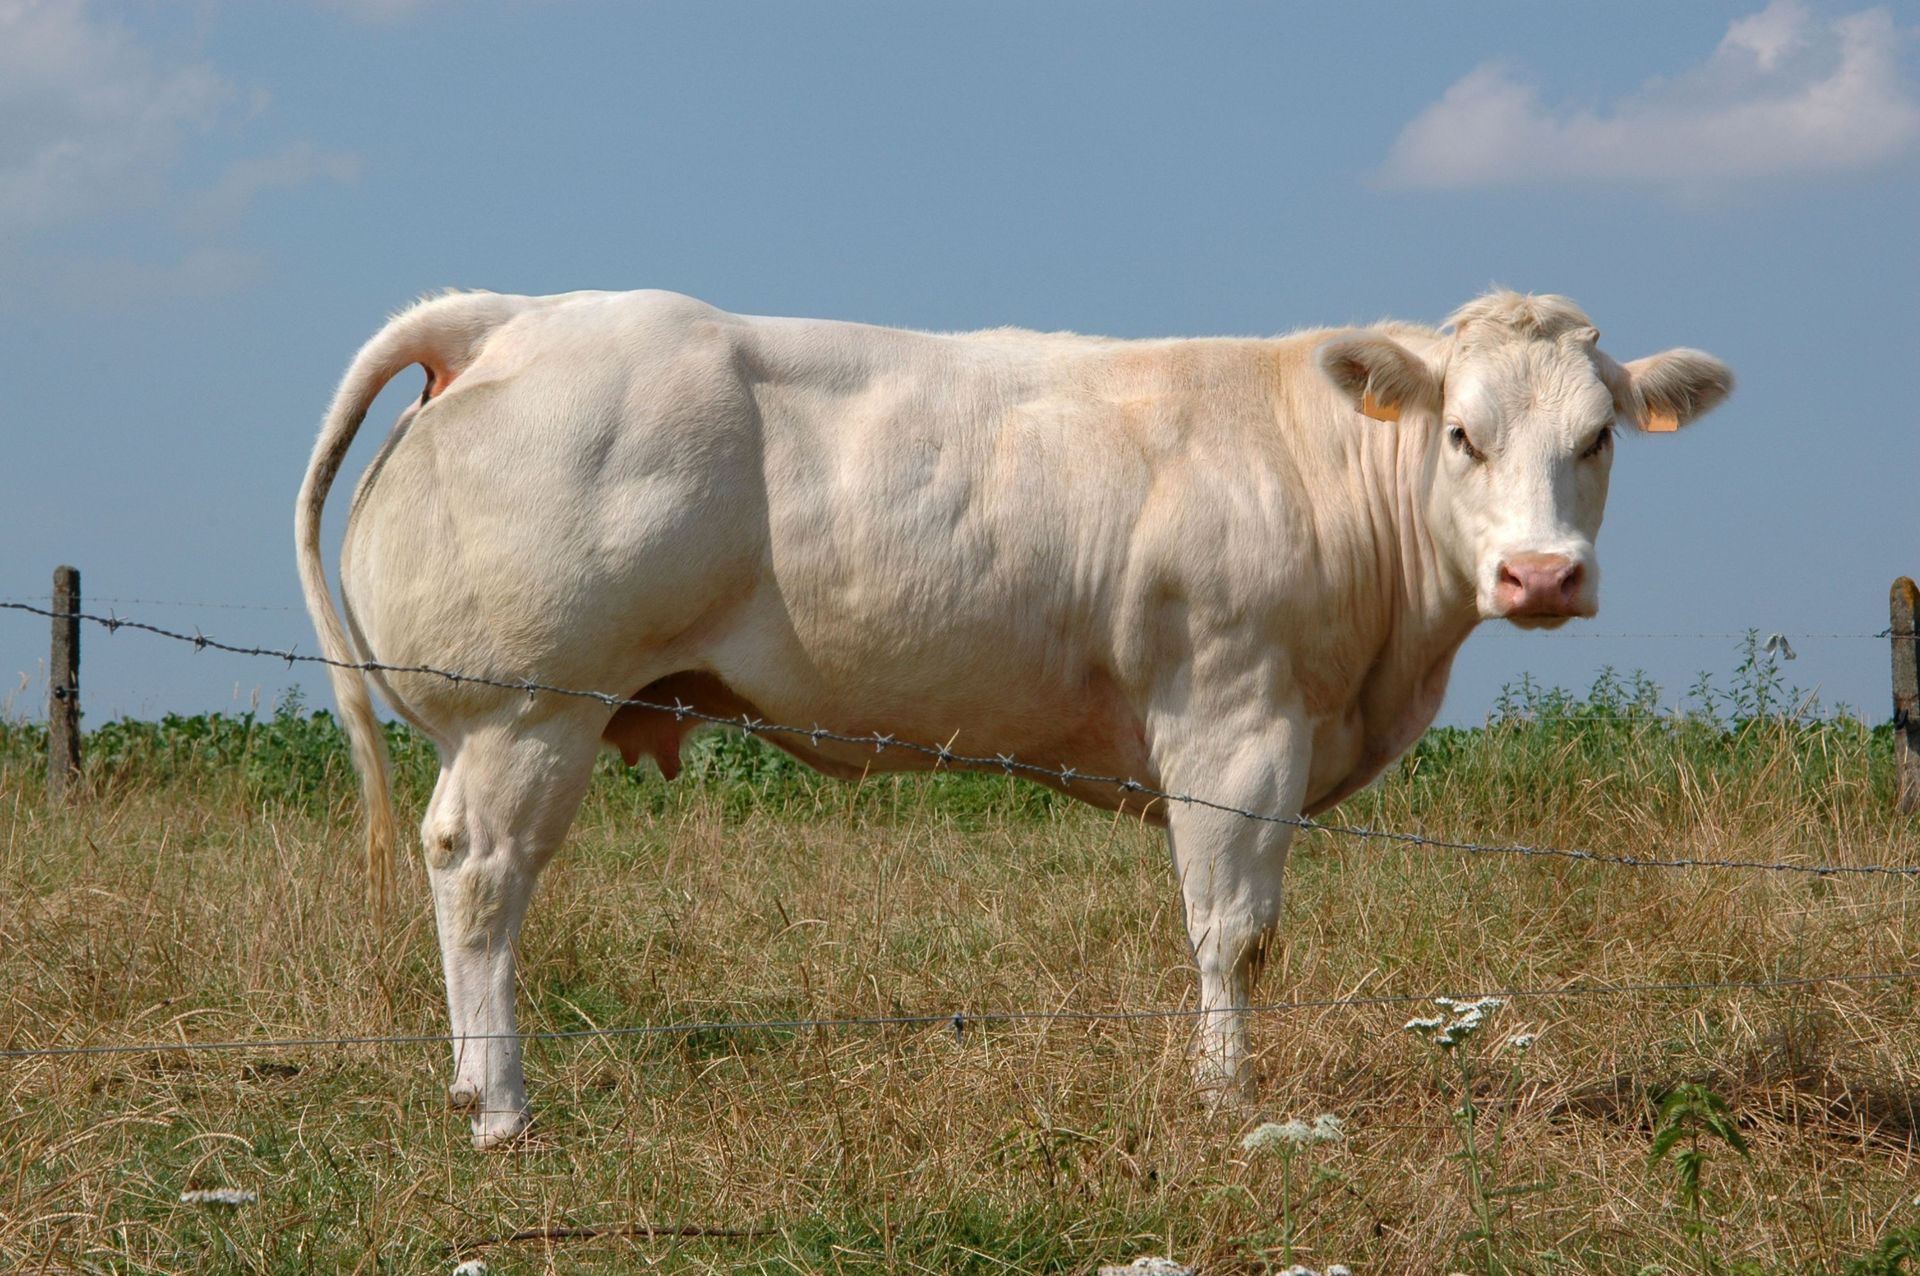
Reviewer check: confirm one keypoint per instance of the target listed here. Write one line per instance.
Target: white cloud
(1769, 35)
(86, 115)
(1785, 94)
(289, 168)
(96, 129)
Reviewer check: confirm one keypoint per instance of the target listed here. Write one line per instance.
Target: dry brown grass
(168, 912)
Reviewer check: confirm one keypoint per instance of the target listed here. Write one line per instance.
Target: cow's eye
(1599, 443)
(1457, 435)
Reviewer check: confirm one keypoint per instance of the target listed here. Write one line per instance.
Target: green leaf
(1723, 1127)
(1690, 1163)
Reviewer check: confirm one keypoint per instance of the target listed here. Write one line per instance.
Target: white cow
(1198, 563)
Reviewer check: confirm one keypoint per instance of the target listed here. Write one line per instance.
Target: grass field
(210, 888)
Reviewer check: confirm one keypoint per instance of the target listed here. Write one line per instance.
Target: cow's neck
(1434, 605)
(1427, 607)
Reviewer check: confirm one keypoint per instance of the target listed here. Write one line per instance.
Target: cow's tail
(444, 335)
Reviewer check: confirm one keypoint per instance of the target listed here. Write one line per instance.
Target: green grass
(208, 888)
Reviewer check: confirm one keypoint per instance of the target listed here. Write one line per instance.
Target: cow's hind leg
(506, 794)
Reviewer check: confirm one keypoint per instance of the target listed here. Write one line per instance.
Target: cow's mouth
(1538, 620)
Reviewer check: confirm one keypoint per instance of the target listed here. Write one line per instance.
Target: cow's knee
(483, 895)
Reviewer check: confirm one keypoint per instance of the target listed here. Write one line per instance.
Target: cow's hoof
(1225, 1100)
(496, 1130)
(1221, 1091)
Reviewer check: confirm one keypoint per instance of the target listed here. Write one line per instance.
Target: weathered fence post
(63, 687)
(1906, 693)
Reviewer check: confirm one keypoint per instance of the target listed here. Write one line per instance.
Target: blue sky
(205, 208)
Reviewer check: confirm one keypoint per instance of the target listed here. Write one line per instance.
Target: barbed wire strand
(946, 758)
(959, 1020)
(178, 602)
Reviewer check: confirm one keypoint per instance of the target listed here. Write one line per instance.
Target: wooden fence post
(1906, 694)
(63, 688)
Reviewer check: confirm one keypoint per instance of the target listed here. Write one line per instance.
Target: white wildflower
(472, 1267)
(1462, 1020)
(1339, 1269)
(1149, 1265)
(1273, 1134)
(1523, 1042)
(1328, 1128)
(218, 1196)
(1467, 1007)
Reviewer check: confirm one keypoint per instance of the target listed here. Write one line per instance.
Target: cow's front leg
(498, 813)
(1230, 869)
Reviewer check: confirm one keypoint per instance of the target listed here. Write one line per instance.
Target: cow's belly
(924, 574)
(1088, 728)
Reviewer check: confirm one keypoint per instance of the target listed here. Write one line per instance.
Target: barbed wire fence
(945, 758)
(959, 1021)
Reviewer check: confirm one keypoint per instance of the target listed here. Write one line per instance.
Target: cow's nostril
(1570, 583)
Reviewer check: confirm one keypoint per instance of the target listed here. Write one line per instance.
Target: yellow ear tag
(1660, 422)
(1370, 406)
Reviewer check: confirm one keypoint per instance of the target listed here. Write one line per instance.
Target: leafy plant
(1693, 1113)
(1897, 1249)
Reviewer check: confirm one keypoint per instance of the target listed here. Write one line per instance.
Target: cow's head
(1517, 408)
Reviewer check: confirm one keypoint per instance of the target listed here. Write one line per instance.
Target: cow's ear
(1665, 391)
(1378, 375)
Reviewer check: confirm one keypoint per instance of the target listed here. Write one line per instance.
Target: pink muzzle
(1539, 585)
